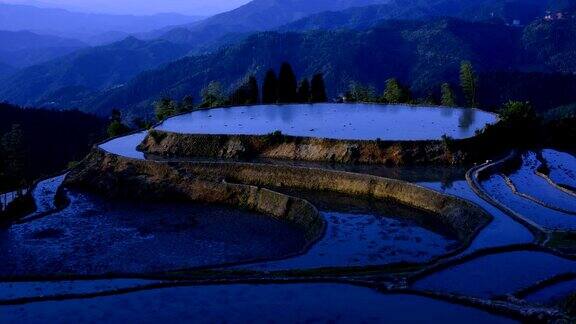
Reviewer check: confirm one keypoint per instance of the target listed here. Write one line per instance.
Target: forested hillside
(421, 54)
(352, 45)
(23, 48)
(40, 142)
(92, 69)
(507, 11)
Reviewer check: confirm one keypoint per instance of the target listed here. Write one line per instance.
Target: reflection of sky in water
(288, 303)
(553, 294)
(548, 218)
(562, 167)
(363, 232)
(96, 236)
(497, 274)
(339, 121)
(126, 146)
(528, 182)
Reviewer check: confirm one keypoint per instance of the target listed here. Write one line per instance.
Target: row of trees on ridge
(395, 92)
(281, 88)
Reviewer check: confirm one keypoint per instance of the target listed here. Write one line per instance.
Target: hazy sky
(138, 7)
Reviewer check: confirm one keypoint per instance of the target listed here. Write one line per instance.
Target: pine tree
(318, 89)
(448, 97)
(246, 93)
(469, 83)
(270, 88)
(287, 84)
(395, 92)
(253, 91)
(304, 91)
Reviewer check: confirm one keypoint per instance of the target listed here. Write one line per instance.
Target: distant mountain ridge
(82, 26)
(509, 11)
(24, 48)
(257, 15)
(95, 69)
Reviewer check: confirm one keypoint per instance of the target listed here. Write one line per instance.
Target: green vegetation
(31, 142)
(247, 93)
(14, 156)
(448, 96)
(469, 83)
(213, 95)
(116, 127)
(304, 91)
(164, 108)
(396, 93)
(270, 88)
(318, 92)
(517, 113)
(287, 85)
(358, 92)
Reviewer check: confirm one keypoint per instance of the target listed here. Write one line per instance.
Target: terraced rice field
(376, 261)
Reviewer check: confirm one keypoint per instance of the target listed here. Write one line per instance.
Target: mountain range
(24, 48)
(82, 26)
(357, 40)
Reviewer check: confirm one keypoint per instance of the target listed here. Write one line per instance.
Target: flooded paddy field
(10, 291)
(553, 294)
(95, 236)
(536, 188)
(334, 121)
(542, 216)
(287, 303)
(364, 232)
(255, 267)
(562, 167)
(497, 274)
(502, 231)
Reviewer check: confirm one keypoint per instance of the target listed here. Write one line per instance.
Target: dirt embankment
(278, 146)
(118, 177)
(244, 185)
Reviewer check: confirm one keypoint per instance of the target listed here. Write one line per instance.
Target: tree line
(281, 88)
(38, 142)
(398, 93)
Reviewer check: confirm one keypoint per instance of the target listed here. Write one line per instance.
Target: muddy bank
(118, 177)
(243, 185)
(278, 146)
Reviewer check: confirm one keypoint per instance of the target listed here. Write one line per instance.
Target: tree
(15, 155)
(165, 108)
(270, 88)
(186, 105)
(358, 92)
(519, 122)
(469, 83)
(213, 95)
(448, 97)
(287, 84)
(116, 127)
(514, 112)
(395, 92)
(253, 91)
(318, 89)
(304, 91)
(246, 93)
